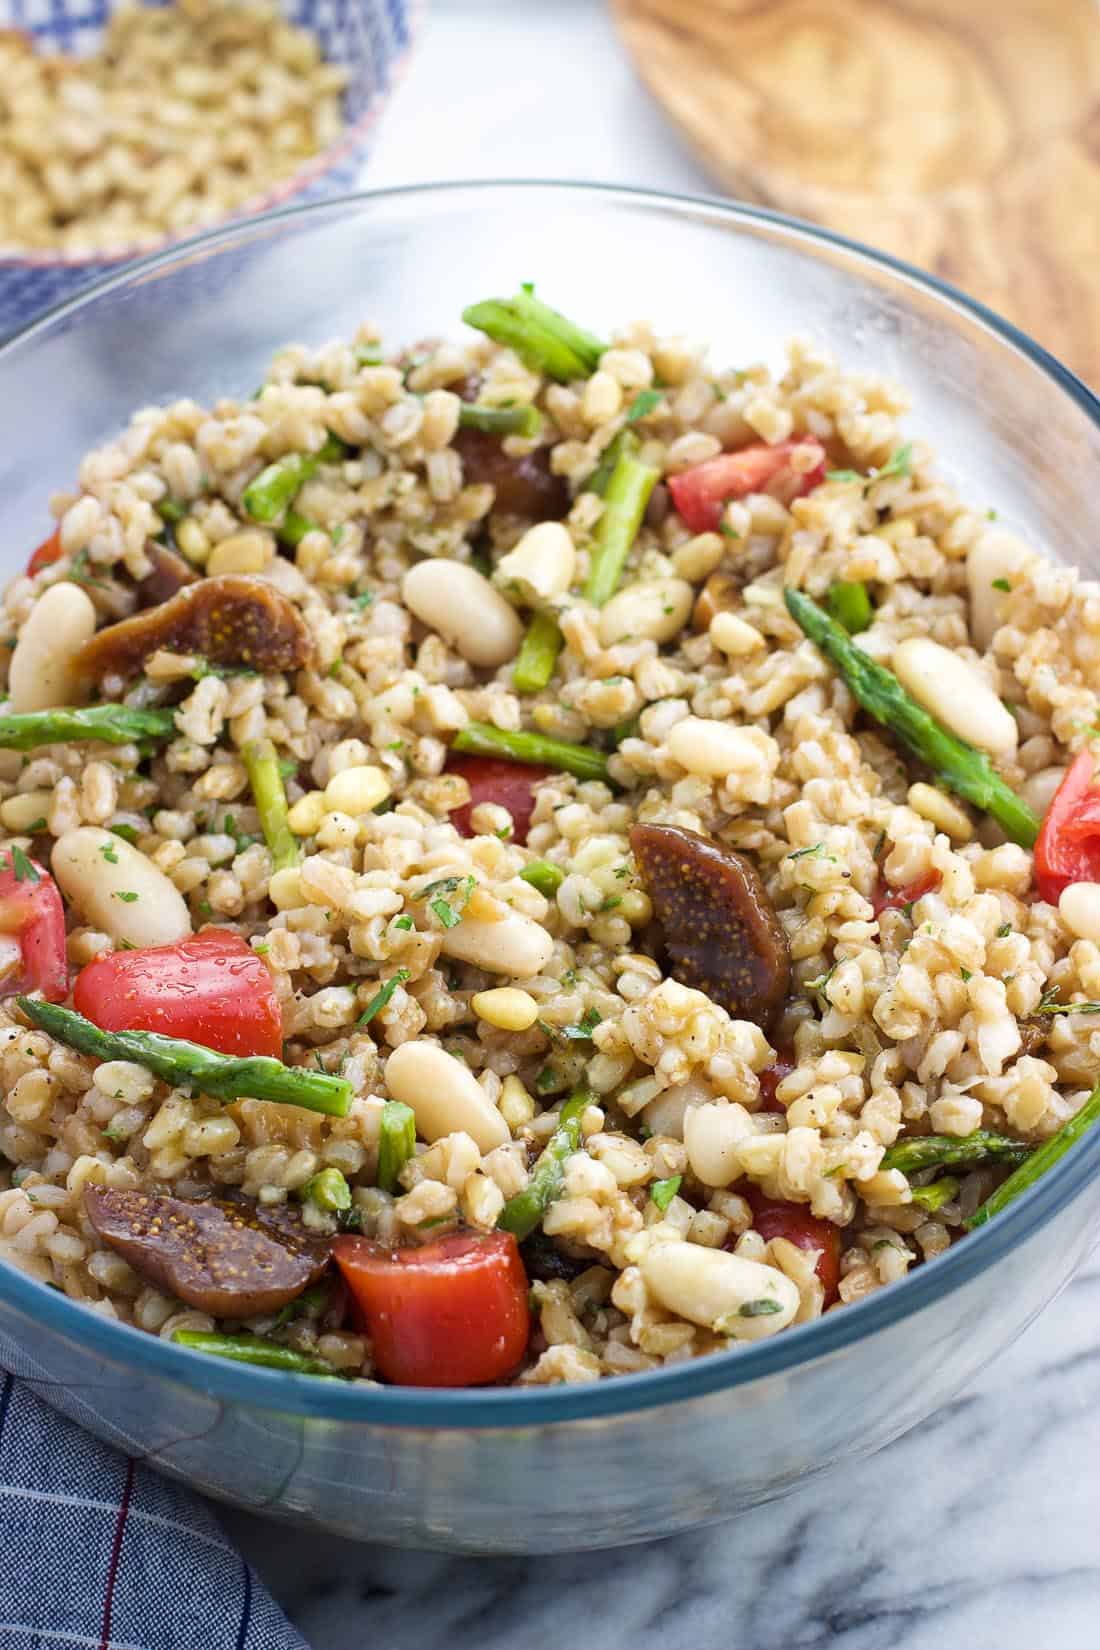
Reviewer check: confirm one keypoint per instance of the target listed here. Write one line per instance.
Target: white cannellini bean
(651, 612)
(99, 872)
(665, 1114)
(996, 555)
(463, 607)
(712, 1135)
(58, 625)
(727, 1293)
(714, 749)
(1079, 909)
(516, 945)
(956, 694)
(444, 1094)
(541, 565)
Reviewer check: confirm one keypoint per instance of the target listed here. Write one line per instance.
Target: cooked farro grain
(185, 114)
(468, 942)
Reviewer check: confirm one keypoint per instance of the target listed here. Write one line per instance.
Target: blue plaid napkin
(99, 1552)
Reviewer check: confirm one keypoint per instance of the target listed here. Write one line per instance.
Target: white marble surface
(980, 1530)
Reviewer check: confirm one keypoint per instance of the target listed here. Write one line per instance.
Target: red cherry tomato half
(32, 926)
(793, 1221)
(770, 1079)
(699, 493)
(453, 1313)
(510, 785)
(211, 989)
(1068, 846)
(49, 550)
(886, 898)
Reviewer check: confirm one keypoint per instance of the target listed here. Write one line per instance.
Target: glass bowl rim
(504, 1407)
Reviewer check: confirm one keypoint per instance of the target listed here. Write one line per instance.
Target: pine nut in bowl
(684, 1004)
(101, 167)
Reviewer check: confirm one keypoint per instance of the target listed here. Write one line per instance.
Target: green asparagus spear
(850, 605)
(542, 875)
(293, 529)
(269, 794)
(959, 766)
(113, 724)
(396, 1143)
(624, 445)
(946, 1151)
(329, 1190)
(1041, 1159)
(479, 739)
(624, 506)
(189, 1065)
(544, 340)
(537, 656)
(525, 421)
(271, 492)
(254, 1349)
(522, 1213)
(935, 1195)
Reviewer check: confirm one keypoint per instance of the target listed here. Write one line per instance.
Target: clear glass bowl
(539, 1469)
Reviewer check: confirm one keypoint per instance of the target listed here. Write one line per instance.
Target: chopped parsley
(584, 1028)
(815, 851)
(36, 825)
(364, 599)
(966, 973)
(1049, 1004)
(405, 922)
(1004, 930)
(663, 1191)
(383, 995)
(109, 854)
(1001, 584)
(899, 463)
(759, 1309)
(128, 833)
(448, 916)
(643, 404)
(125, 895)
(21, 866)
(821, 980)
(843, 475)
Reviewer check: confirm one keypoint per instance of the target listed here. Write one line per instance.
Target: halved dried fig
(170, 574)
(524, 486)
(229, 620)
(719, 926)
(232, 1260)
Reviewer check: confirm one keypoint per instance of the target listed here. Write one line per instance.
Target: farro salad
(533, 859)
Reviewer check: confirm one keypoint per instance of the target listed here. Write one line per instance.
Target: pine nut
(464, 609)
(714, 749)
(733, 635)
(240, 553)
(996, 555)
(119, 889)
(506, 1007)
(726, 1293)
(651, 612)
(541, 565)
(41, 673)
(1079, 909)
(444, 1094)
(940, 811)
(956, 694)
(305, 816)
(357, 790)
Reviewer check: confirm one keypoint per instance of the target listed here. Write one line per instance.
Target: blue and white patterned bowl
(368, 37)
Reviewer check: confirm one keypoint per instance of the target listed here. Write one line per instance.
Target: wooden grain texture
(963, 135)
